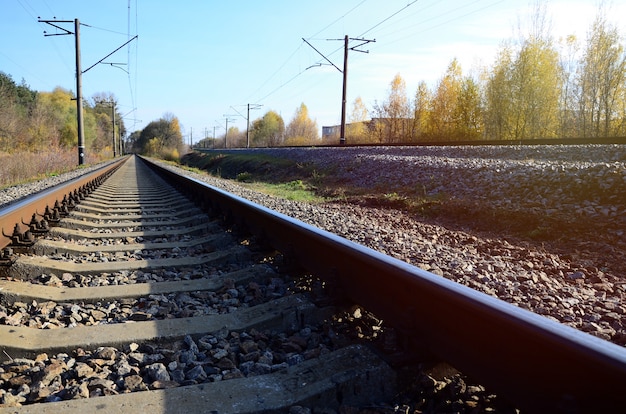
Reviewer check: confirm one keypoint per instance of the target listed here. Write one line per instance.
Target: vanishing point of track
(145, 242)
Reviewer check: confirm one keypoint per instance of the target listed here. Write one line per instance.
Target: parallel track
(537, 364)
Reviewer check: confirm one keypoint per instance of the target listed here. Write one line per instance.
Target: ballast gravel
(583, 181)
(587, 182)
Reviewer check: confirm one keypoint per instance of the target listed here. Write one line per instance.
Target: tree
(356, 130)
(269, 130)
(103, 107)
(602, 81)
(523, 91)
(570, 91)
(499, 108)
(443, 122)
(62, 110)
(421, 112)
(394, 114)
(235, 138)
(301, 129)
(469, 114)
(159, 136)
(535, 88)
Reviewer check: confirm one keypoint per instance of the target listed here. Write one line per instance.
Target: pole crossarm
(52, 23)
(363, 42)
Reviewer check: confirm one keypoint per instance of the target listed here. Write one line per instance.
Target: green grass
(278, 177)
(295, 190)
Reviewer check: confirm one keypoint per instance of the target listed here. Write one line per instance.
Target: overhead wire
(34, 15)
(450, 20)
(301, 71)
(388, 18)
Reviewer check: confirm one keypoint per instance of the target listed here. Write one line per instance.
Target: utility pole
(79, 80)
(342, 133)
(247, 118)
(226, 133)
(250, 106)
(112, 103)
(113, 115)
(346, 39)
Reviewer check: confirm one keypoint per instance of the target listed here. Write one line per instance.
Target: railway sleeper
(28, 267)
(349, 376)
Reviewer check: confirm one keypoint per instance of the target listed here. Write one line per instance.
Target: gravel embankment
(584, 182)
(578, 182)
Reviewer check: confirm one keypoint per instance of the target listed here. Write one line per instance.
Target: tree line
(270, 131)
(536, 88)
(32, 121)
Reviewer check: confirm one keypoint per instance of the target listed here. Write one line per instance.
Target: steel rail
(536, 363)
(15, 218)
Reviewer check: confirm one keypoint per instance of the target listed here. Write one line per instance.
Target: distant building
(330, 132)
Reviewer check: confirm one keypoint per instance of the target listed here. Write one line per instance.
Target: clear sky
(205, 60)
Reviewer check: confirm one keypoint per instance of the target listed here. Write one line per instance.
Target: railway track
(156, 283)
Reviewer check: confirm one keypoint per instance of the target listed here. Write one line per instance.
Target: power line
(339, 18)
(450, 20)
(384, 20)
(103, 29)
(293, 53)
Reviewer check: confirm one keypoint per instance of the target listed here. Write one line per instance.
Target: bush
(20, 167)
(170, 154)
(245, 177)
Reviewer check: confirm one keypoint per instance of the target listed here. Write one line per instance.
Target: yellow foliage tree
(301, 128)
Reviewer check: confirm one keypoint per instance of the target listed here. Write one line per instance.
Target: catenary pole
(342, 134)
(79, 96)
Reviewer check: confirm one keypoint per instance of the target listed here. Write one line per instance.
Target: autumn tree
(104, 109)
(234, 138)
(62, 112)
(356, 129)
(469, 112)
(499, 108)
(570, 92)
(602, 81)
(269, 130)
(9, 112)
(522, 94)
(161, 136)
(535, 89)
(444, 113)
(394, 114)
(421, 112)
(301, 129)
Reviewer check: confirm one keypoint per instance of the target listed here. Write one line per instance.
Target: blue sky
(202, 60)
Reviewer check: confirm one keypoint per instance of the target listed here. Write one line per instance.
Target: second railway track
(157, 292)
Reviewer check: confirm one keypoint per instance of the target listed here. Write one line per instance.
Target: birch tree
(602, 81)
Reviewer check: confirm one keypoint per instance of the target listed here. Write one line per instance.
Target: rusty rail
(19, 222)
(538, 364)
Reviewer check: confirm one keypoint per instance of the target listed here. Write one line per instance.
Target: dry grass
(17, 168)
